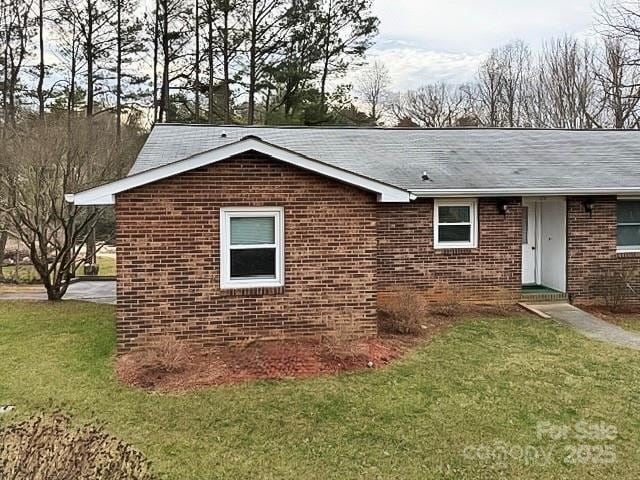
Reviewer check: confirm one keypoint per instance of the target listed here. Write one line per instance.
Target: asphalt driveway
(103, 291)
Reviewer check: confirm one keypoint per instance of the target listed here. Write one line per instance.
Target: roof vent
(251, 137)
(223, 134)
(425, 177)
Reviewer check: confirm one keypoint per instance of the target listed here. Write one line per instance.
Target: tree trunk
(4, 235)
(197, 66)
(119, 72)
(90, 257)
(5, 82)
(40, 91)
(89, 54)
(71, 101)
(326, 60)
(210, 59)
(252, 67)
(165, 62)
(155, 62)
(225, 67)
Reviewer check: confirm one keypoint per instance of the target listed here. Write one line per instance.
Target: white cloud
(410, 66)
(424, 41)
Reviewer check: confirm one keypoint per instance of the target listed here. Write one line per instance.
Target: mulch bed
(174, 368)
(273, 359)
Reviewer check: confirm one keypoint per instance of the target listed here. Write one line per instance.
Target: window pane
(252, 230)
(629, 211)
(454, 214)
(253, 262)
(628, 236)
(455, 233)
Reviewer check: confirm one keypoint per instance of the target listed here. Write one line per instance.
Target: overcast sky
(423, 41)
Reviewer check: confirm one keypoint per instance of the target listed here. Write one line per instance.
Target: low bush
(617, 286)
(403, 313)
(48, 447)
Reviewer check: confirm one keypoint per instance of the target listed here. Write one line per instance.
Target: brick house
(233, 233)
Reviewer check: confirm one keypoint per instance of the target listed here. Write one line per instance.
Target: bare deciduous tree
(373, 88)
(432, 106)
(566, 90)
(43, 161)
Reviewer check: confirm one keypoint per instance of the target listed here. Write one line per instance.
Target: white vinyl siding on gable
(455, 223)
(251, 247)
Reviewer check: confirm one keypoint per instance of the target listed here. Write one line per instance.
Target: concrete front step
(544, 297)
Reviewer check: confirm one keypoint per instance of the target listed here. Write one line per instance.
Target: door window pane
(253, 230)
(253, 262)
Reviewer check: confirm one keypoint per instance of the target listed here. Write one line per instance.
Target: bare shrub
(340, 344)
(404, 313)
(48, 447)
(169, 354)
(163, 355)
(617, 285)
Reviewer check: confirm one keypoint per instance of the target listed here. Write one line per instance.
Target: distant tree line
(211, 61)
(568, 84)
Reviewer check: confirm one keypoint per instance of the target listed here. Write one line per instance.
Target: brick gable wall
(591, 251)
(168, 257)
(408, 260)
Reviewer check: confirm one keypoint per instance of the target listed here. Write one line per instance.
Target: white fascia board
(523, 192)
(105, 194)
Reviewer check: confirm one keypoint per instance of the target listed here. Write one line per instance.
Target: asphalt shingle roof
(453, 158)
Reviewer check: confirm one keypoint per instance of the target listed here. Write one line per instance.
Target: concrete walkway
(102, 291)
(589, 325)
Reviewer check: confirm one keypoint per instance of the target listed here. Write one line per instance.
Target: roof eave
(105, 194)
(524, 192)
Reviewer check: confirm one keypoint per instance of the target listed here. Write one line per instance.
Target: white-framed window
(455, 223)
(629, 225)
(251, 247)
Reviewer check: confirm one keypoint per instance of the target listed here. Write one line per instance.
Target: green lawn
(486, 380)
(630, 322)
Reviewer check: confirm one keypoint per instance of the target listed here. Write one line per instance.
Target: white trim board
(105, 194)
(523, 192)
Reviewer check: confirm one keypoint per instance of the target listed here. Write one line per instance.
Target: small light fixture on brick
(503, 207)
(425, 177)
(588, 205)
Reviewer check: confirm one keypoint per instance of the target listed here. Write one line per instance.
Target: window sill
(455, 250)
(455, 247)
(251, 291)
(628, 253)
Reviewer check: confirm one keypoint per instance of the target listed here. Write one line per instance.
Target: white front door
(529, 236)
(553, 243)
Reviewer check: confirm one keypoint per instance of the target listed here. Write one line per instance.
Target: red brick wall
(591, 255)
(407, 259)
(168, 256)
